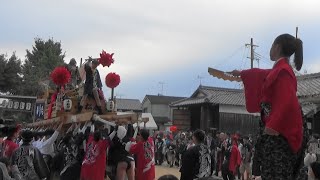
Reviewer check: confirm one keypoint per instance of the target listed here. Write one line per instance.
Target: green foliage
(10, 70)
(40, 61)
(24, 79)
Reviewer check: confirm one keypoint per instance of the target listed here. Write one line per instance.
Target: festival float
(67, 103)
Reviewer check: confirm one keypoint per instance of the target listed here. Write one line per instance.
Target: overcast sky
(168, 43)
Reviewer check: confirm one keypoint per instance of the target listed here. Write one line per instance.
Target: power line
(245, 54)
(228, 58)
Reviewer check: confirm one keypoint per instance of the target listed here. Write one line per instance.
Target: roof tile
(129, 104)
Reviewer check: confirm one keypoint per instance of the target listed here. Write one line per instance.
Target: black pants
(274, 159)
(48, 160)
(226, 173)
(213, 163)
(72, 173)
(159, 158)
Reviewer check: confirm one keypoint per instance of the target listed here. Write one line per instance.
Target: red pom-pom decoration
(112, 80)
(60, 76)
(173, 128)
(106, 59)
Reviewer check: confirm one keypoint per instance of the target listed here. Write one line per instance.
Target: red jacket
(144, 151)
(8, 147)
(235, 158)
(94, 163)
(277, 87)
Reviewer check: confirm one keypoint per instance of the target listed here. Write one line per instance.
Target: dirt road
(164, 169)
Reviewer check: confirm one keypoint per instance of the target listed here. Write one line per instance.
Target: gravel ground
(164, 169)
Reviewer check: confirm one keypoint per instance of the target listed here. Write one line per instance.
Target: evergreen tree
(10, 70)
(40, 61)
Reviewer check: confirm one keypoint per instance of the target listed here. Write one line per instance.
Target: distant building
(133, 105)
(214, 107)
(158, 106)
(224, 108)
(309, 97)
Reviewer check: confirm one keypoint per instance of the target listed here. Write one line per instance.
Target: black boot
(79, 109)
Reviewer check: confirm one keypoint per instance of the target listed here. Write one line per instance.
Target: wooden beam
(17, 97)
(83, 117)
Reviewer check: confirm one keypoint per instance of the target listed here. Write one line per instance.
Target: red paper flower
(173, 128)
(106, 59)
(112, 80)
(60, 76)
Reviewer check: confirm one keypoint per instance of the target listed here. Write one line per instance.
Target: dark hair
(48, 132)
(97, 136)
(78, 139)
(316, 136)
(246, 137)
(199, 135)
(8, 131)
(27, 136)
(95, 62)
(289, 45)
(73, 62)
(145, 134)
(168, 177)
(67, 138)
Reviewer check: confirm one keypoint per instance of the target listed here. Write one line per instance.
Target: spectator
(196, 162)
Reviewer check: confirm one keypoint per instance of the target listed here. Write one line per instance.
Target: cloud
(151, 38)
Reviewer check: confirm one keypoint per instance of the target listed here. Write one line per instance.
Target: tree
(44, 57)
(10, 70)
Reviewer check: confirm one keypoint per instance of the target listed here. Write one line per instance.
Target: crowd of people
(223, 154)
(76, 153)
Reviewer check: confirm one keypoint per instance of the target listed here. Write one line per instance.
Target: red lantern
(112, 80)
(60, 76)
(173, 128)
(106, 59)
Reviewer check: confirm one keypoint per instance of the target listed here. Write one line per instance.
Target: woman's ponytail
(298, 54)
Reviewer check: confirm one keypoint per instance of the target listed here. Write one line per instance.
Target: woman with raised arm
(272, 92)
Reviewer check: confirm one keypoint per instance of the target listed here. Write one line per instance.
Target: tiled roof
(214, 95)
(159, 99)
(189, 101)
(129, 104)
(308, 108)
(224, 95)
(309, 85)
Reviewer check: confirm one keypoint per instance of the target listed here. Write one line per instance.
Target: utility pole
(252, 51)
(296, 32)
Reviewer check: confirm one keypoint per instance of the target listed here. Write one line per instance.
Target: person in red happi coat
(94, 163)
(9, 145)
(272, 92)
(144, 151)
